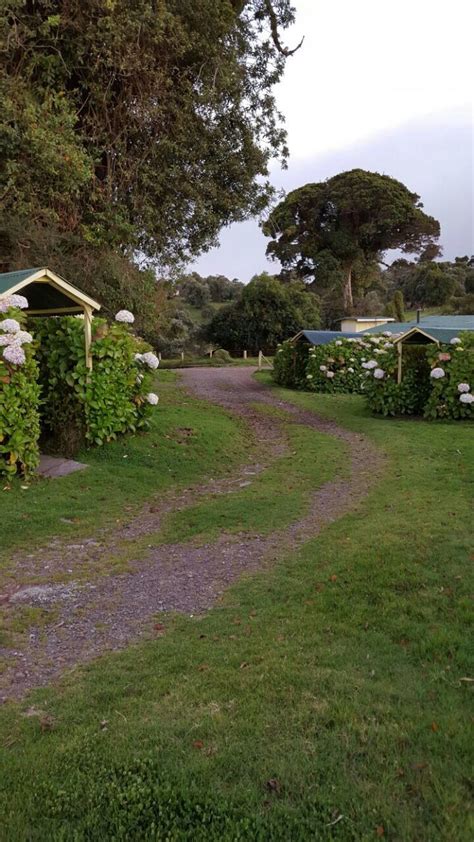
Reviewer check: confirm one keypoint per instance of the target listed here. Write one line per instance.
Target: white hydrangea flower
(150, 359)
(379, 373)
(23, 337)
(152, 398)
(379, 351)
(371, 364)
(280, 351)
(351, 370)
(386, 333)
(323, 368)
(10, 326)
(125, 316)
(18, 301)
(338, 342)
(455, 340)
(330, 374)
(352, 359)
(466, 397)
(14, 354)
(7, 338)
(464, 387)
(138, 358)
(309, 377)
(437, 373)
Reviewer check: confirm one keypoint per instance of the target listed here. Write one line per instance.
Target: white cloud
(372, 65)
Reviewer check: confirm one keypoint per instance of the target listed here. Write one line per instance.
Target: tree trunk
(347, 300)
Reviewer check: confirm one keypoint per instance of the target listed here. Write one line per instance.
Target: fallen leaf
(243, 665)
(333, 578)
(159, 627)
(380, 830)
(203, 667)
(273, 785)
(198, 744)
(434, 726)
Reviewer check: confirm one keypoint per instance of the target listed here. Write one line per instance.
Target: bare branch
(276, 35)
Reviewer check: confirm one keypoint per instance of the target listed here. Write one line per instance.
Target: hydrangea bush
(338, 366)
(436, 381)
(98, 405)
(289, 364)
(19, 391)
(452, 379)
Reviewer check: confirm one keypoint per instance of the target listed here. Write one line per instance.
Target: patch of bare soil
(111, 611)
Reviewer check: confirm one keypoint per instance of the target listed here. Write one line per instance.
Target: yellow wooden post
(88, 335)
(399, 372)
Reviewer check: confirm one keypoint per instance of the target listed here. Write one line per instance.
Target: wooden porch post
(399, 372)
(88, 335)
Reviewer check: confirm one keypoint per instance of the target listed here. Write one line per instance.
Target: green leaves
(97, 405)
(19, 413)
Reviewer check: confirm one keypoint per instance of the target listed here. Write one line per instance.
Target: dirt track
(111, 611)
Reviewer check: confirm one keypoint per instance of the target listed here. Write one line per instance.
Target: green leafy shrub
(434, 379)
(387, 397)
(222, 356)
(289, 364)
(337, 366)
(98, 405)
(19, 401)
(452, 395)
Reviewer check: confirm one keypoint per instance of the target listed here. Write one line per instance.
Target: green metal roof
(323, 337)
(47, 292)
(450, 323)
(11, 279)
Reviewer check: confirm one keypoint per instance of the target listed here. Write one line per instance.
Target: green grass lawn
(326, 698)
(123, 474)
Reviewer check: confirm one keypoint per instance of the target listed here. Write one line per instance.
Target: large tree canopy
(142, 125)
(331, 227)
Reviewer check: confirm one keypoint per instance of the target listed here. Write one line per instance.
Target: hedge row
(436, 380)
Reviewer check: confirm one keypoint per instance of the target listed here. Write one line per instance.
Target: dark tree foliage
(139, 126)
(325, 230)
(432, 283)
(266, 313)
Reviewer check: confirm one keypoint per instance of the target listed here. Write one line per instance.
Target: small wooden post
(159, 355)
(182, 356)
(245, 355)
(260, 355)
(88, 335)
(399, 370)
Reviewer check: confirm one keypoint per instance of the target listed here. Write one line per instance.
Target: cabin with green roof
(50, 295)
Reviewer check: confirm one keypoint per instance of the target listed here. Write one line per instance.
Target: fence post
(159, 355)
(245, 355)
(260, 355)
(182, 356)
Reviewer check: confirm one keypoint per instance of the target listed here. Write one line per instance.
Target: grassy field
(185, 438)
(326, 698)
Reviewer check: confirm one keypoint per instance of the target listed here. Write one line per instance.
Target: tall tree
(351, 218)
(266, 313)
(140, 126)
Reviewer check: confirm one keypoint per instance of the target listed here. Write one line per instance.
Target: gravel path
(111, 611)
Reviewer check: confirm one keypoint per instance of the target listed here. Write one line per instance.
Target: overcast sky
(385, 85)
